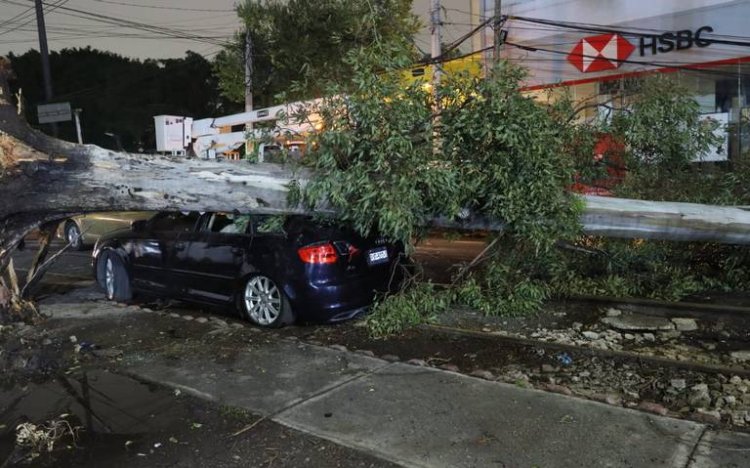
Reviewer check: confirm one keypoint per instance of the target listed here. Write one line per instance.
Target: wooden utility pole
(498, 31)
(436, 52)
(248, 86)
(483, 38)
(44, 51)
(436, 47)
(248, 72)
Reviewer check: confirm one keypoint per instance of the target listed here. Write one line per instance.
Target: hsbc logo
(608, 51)
(600, 53)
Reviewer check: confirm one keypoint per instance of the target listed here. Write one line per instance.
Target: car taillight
(318, 253)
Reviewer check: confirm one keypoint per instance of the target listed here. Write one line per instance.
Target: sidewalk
(425, 417)
(401, 413)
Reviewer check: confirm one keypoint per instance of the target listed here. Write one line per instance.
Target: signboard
(57, 112)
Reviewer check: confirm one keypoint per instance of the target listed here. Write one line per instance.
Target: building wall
(549, 63)
(718, 74)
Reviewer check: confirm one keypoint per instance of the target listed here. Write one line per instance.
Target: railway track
(668, 309)
(588, 351)
(737, 315)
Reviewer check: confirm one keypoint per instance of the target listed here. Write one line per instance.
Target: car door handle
(237, 251)
(179, 246)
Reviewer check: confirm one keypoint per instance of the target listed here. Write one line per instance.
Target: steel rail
(590, 351)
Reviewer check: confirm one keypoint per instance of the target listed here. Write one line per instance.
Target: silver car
(83, 231)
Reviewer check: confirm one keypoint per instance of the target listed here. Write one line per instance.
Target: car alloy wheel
(263, 301)
(73, 236)
(109, 279)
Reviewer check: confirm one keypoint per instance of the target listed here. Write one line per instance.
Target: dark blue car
(271, 271)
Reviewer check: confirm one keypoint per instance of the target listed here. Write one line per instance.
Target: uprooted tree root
(15, 309)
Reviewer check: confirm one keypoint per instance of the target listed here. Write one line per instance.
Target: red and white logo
(600, 53)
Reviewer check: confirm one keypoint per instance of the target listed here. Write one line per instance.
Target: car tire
(73, 236)
(264, 303)
(114, 278)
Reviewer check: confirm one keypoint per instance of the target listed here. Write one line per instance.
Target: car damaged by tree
(272, 271)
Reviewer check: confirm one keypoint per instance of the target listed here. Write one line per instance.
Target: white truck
(224, 136)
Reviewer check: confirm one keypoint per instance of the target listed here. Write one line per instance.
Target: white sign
(720, 153)
(57, 112)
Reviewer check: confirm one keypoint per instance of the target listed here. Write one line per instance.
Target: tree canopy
(298, 45)
(120, 95)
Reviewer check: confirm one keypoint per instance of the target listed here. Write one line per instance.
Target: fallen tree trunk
(644, 219)
(43, 179)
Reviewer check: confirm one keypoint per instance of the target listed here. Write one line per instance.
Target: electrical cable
(157, 7)
(17, 17)
(596, 28)
(688, 68)
(52, 7)
(168, 32)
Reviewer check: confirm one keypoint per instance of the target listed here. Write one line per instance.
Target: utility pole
(483, 37)
(436, 52)
(44, 51)
(248, 72)
(248, 88)
(498, 31)
(79, 134)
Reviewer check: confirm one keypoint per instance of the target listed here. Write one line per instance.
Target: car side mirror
(139, 225)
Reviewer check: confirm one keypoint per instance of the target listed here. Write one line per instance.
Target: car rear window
(174, 221)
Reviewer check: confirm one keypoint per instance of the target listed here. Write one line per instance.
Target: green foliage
(301, 44)
(727, 184)
(392, 314)
(501, 289)
(512, 154)
(373, 162)
(655, 269)
(386, 162)
(661, 126)
(380, 165)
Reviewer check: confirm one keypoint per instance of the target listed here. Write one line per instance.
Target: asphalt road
(70, 266)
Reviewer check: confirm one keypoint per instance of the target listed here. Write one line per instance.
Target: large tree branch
(43, 179)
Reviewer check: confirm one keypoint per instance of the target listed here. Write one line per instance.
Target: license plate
(377, 256)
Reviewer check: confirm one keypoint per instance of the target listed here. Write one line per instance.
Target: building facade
(590, 47)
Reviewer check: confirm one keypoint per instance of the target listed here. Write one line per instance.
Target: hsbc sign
(609, 51)
(600, 53)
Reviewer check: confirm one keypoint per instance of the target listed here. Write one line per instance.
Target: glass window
(217, 222)
(228, 223)
(174, 221)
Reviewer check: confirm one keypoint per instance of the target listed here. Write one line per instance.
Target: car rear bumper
(334, 302)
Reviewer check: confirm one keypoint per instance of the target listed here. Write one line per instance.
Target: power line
(172, 33)
(597, 28)
(688, 68)
(157, 7)
(455, 44)
(18, 16)
(31, 14)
